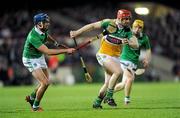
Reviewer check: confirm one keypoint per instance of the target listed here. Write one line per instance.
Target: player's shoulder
(32, 35)
(108, 20)
(145, 36)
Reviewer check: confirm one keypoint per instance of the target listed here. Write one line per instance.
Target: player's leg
(120, 86)
(128, 86)
(103, 89)
(113, 67)
(30, 98)
(47, 74)
(44, 83)
(102, 92)
(29, 64)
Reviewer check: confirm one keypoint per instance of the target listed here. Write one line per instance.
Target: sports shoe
(127, 101)
(29, 100)
(38, 109)
(110, 101)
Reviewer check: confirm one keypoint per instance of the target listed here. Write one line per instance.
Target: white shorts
(128, 65)
(103, 57)
(33, 64)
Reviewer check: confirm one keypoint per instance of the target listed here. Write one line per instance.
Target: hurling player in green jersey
(116, 33)
(34, 60)
(130, 59)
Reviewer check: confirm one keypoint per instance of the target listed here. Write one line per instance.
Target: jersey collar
(39, 31)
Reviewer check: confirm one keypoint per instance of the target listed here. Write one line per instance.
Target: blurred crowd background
(162, 25)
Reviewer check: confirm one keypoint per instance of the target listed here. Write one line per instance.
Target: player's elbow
(136, 45)
(44, 49)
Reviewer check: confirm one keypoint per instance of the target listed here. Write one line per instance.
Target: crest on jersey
(112, 28)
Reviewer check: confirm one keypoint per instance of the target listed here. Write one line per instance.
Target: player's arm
(148, 54)
(147, 58)
(86, 28)
(133, 42)
(43, 48)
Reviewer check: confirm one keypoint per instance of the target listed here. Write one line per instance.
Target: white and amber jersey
(109, 48)
(111, 42)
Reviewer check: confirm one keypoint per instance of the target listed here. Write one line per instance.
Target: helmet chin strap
(119, 25)
(40, 25)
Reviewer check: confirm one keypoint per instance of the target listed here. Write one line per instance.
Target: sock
(36, 104)
(98, 100)
(127, 98)
(109, 93)
(33, 95)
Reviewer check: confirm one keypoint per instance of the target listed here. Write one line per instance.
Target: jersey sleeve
(105, 23)
(129, 35)
(35, 42)
(147, 43)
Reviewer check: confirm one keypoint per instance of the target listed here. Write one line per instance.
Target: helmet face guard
(123, 13)
(41, 17)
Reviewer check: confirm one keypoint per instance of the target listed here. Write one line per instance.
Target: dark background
(9, 5)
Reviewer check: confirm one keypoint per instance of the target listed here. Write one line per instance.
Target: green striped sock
(98, 100)
(109, 93)
(33, 95)
(36, 104)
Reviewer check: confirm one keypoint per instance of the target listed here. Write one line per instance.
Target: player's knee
(123, 85)
(46, 83)
(130, 79)
(106, 84)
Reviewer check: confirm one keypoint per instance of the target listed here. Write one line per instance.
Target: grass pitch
(148, 100)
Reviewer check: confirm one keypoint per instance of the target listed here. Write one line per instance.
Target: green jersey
(131, 54)
(33, 41)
